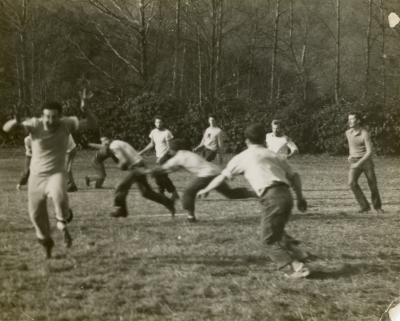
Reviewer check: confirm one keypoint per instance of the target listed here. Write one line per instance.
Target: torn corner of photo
(394, 313)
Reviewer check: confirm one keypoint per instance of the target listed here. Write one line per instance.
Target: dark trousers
(277, 204)
(25, 174)
(135, 175)
(100, 175)
(163, 182)
(354, 174)
(70, 178)
(209, 154)
(189, 195)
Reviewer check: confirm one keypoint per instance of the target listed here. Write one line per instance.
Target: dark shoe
(119, 211)
(87, 181)
(191, 218)
(70, 217)
(48, 245)
(67, 238)
(72, 189)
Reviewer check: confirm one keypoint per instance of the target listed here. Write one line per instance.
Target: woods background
(307, 62)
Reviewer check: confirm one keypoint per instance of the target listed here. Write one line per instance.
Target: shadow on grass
(334, 216)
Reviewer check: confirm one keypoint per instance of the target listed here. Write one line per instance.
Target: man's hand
(302, 205)
(354, 165)
(202, 193)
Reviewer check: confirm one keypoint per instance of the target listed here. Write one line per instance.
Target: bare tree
(274, 52)
(338, 39)
(368, 49)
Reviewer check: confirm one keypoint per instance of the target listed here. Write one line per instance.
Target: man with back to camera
(278, 142)
(360, 159)
(48, 178)
(212, 141)
(159, 139)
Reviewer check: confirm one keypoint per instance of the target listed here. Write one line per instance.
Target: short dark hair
(255, 133)
(158, 117)
(178, 144)
(211, 116)
(357, 115)
(276, 122)
(52, 105)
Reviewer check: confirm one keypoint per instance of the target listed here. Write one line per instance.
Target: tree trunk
(368, 49)
(218, 57)
(383, 53)
(143, 41)
(337, 79)
(177, 46)
(200, 67)
(274, 52)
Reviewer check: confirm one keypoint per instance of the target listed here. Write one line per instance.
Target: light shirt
(71, 144)
(281, 145)
(161, 139)
(356, 140)
(28, 146)
(212, 138)
(125, 153)
(261, 167)
(49, 148)
(193, 163)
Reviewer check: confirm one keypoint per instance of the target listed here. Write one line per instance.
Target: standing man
(270, 176)
(212, 141)
(360, 159)
(159, 139)
(48, 178)
(129, 160)
(28, 156)
(278, 142)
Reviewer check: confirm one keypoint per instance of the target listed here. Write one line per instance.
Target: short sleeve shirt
(49, 148)
(161, 139)
(212, 138)
(193, 163)
(281, 145)
(125, 153)
(261, 167)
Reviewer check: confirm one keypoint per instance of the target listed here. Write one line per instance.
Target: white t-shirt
(125, 153)
(161, 139)
(49, 148)
(212, 138)
(261, 167)
(193, 163)
(281, 145)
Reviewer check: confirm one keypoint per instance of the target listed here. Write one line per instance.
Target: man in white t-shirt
(280, 143)
(204, 172)
(47, 179)
(212, 141)
(159, 139)
(129, 160)
(270, 177)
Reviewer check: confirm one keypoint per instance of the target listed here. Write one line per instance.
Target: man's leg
(38, 215)
(209, 154)
(71, 186)
(100, 176)
(56, 189)
(147, 192)
(369, 171)
(354, 175)
(235, 193)
(163, 182)
(120, 194)
(190, 193)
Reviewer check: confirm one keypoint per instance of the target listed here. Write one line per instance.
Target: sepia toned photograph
(199, 160)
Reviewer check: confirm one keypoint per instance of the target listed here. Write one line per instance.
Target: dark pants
(354, 174)
(163, 182)
(209, 154)
(277, 204)
(100, 175)
(135, 175)
(189, 195)
(70, 178)
(25, 174)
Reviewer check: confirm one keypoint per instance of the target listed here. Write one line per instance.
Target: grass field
(151, 267)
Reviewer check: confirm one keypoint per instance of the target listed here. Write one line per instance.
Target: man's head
(51, 115)
(254, 134)
(354, 119)
(158, 122)
(211, 120)
(176, 145)
(105, 141)
(276, 127)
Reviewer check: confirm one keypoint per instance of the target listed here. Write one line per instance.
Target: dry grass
(150, 267)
